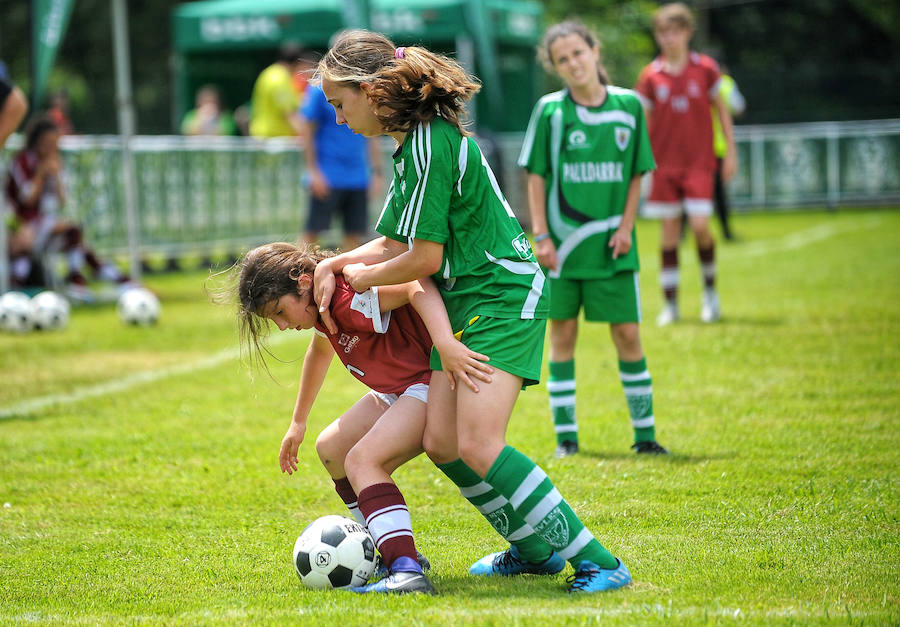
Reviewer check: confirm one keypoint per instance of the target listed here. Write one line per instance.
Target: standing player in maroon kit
(677, 90)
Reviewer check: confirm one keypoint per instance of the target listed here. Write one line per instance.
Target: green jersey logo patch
(623, 134)
(522, 246)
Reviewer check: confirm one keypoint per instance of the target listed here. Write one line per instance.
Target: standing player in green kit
(585, 151)
(445, 216)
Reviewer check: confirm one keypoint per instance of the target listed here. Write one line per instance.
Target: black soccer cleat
(566, 448)
(651, 447)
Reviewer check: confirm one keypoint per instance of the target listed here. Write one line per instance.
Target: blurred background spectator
(208, 117)
(59, 112)
(342, 170)
(34, 189)
(276, 95)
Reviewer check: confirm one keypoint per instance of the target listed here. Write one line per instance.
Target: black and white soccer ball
(138, 305)
(16, 312)
(334, 552)
(50, 311)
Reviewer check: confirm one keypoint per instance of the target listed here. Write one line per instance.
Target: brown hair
(564, 29)
(260, 278)
(408, 86)
(674, 13)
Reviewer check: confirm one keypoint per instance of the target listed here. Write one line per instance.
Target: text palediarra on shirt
(592, 172)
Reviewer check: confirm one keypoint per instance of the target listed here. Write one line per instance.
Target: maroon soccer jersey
(680, 122)
(387, 351)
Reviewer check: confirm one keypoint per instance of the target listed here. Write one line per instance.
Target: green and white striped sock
(498, 512)
(639, 394)
(561, 386)
(534, 497)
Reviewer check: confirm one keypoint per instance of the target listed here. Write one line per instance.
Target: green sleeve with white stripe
(534, 157)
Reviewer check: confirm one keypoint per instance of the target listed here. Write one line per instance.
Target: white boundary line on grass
(39, 403)
(791, 241)
(799, 239)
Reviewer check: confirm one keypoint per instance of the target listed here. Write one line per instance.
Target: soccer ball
(50, 311)
(334, 552)
(16, 313)
(138, 305)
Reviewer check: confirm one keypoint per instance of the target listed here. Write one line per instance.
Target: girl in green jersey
(585, 151)
(445, 216)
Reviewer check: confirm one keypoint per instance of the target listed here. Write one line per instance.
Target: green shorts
(514, 345)
(616, 299)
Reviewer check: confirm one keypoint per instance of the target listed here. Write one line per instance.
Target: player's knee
(354, 462)
(328, 447)
(436, 449)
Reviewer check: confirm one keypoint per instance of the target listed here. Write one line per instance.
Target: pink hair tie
(398, 53)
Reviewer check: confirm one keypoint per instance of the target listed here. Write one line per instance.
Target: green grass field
(139, 479)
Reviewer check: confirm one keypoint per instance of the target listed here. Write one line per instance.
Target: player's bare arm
(621, 241)
(545, 250)
(422, 260)
(315, 366)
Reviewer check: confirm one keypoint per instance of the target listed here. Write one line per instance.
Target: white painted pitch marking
(33, 405)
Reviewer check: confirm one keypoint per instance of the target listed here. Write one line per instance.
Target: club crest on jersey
(554, 528)
(348, 342)
(399, 167)
(662, 93)
(577, 139)
(693, 89)
(522, 246)
(623, 134)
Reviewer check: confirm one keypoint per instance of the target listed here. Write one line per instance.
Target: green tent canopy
(228, 42)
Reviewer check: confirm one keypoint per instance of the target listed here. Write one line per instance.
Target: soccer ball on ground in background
(16, 312)
(138, 305)
(334, 552)
(50, 311)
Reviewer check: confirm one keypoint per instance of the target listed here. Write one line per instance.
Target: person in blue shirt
(341, 170)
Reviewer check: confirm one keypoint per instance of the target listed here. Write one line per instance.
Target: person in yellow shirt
(736, 104)
(275, 97)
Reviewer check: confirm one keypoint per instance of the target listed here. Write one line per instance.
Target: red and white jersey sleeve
(388, 351)
(680, 122)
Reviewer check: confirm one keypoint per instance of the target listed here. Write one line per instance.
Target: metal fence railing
(203, 195)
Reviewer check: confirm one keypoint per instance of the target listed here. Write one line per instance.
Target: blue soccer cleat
(410, 579)
(508, 563)
(591, 578)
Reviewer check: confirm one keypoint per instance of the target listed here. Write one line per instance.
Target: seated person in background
(35, 192)
(208, 118)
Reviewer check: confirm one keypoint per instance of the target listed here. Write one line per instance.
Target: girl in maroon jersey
(384, 338)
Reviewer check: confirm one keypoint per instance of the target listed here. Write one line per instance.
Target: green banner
(49, 19)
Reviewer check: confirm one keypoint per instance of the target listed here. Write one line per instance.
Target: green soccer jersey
(444, 191)
(587, 156)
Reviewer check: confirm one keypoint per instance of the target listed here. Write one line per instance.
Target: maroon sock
(668, 276)
(708, 264)
(348, 496)
(387, 518)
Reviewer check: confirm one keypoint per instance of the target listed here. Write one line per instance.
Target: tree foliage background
(795, 60)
